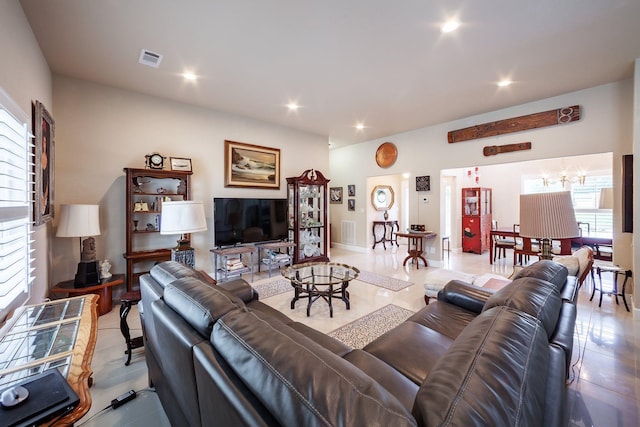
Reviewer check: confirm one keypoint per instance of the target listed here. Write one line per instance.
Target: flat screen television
(238, 220)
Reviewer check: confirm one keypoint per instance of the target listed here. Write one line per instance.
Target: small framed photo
(180, 164)
(351, 204)
(335, 195)
(351, 190)
(423, 183)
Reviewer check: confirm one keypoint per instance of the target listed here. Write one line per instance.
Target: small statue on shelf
(182, 187)
(105, 266)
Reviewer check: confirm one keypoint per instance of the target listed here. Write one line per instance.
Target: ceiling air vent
(149, 58)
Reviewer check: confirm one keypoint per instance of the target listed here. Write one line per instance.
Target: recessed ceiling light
(359, 126)
(293, 106)
(504, 83)
(188, 75)
(450, 26)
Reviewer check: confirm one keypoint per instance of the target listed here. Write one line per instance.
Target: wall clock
(386, 155)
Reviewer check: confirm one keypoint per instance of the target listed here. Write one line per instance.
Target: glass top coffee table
(326, 280)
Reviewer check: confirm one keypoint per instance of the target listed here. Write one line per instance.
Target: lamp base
(184, 256)
(88, 274)
(546, 249)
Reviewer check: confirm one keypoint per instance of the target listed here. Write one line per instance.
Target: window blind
(16, 186)
(585, 198)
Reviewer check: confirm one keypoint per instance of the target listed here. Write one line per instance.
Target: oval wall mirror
(382, 197)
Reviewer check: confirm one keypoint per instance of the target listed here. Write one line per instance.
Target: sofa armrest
(464, 295)
(241, 289)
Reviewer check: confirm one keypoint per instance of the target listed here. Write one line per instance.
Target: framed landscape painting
(44, 129)
(247, 165)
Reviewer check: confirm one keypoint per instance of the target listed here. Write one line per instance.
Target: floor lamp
(183, 217)
(82, 221)
(548, 216)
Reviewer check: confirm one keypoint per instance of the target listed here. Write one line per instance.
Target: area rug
(272, 288)
(280, 285)
(383, 281)
(362, 331)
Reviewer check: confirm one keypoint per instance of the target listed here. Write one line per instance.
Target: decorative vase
(386, 215)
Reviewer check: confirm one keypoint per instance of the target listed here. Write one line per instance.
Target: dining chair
(523, 252)
(501, 243)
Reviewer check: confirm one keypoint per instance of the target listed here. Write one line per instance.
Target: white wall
(25, 76)
(100, 130)
(605, 126)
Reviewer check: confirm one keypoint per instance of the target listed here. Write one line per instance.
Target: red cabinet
(476, 219)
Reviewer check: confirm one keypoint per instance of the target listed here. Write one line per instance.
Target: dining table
(592, 239)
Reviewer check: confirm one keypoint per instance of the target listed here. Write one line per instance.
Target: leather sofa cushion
(200, 304)
(333, 345)
(411, 349)
(544, 269)
(241, 289)
(535, 297)
(398, 385)
(465, 295)
(299, 381)
(168, 271)
(447, 319)
(295, 330)
(495, 374)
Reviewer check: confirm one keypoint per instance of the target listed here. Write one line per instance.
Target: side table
(225, 269)
(102, 289)
(615, 270)
(269, 263)
(126, 301)
(416, 239)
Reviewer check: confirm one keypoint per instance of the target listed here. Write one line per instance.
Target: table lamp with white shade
(82, 221)
(548, 216)
(183, 217)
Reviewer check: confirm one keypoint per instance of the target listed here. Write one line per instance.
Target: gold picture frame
(251, 166)
(44, 130)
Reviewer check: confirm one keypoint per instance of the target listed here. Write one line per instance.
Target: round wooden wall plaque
(386, 155)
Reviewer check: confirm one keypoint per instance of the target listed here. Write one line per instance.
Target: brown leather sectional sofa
(218, 356)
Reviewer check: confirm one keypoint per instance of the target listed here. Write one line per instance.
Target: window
(585, 197)
(16, 184)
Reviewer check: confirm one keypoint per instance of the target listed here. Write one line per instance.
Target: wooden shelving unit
(146, 189)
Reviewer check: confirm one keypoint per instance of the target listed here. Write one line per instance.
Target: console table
(59, 334)
(387, 230)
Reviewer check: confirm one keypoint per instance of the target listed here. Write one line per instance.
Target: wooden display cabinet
(307, 222)
(476, 219)
(146, 189)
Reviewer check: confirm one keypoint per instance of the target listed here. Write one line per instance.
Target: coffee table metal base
(312, 293)
(322, 280)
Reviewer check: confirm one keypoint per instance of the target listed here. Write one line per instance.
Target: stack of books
(234, 264)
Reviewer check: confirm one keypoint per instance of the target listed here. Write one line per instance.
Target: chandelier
(564, 179)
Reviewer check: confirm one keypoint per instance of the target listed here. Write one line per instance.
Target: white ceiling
(381, 62)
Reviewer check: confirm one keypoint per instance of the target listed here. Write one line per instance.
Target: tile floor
(604, 387)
